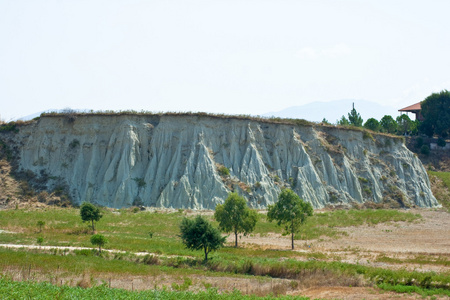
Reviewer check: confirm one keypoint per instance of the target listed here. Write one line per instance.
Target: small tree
(343, 121)
(354, 118)
(235, 216)
(98, 240)
(90, 213)
(372, 124)
(40, 240)
(199, 234)
(40, 224)
(290, 211)
(405, 125)
(388, 124)
(325, 121)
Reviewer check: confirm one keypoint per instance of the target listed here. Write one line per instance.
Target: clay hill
(195, 160)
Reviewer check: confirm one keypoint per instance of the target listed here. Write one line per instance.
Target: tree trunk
(206, 254)
(292, 228)
(235, 243)
(93, 228)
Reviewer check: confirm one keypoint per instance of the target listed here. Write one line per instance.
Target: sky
(230, 56)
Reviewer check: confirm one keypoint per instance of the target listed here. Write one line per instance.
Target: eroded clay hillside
(194, 161)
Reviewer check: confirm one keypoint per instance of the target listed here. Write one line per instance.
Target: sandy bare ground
(429, 238)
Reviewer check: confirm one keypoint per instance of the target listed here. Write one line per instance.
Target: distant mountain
(334, 110)
(32, 116)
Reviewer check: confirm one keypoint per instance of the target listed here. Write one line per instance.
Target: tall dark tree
(354, 118)
(199, 234)
(90, 213)
(235, 216)
(436, 112)
(290, 211)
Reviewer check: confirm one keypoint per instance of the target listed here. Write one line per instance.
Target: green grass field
(129, 231)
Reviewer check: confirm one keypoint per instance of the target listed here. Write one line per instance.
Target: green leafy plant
(40, 224)
(388, 124)
(425, 150)
(441, 142)
(40, 240)
(90, 213)
(199, 234)
(290, 211)
(98, 240)
(354, 118)
(223, 171)
(372, 124)
(235, 216)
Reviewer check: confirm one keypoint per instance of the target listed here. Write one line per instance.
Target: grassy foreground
(128, 230)
(43, 290)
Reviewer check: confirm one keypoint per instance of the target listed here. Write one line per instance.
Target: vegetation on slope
(440, 186)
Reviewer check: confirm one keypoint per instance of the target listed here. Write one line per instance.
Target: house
(415, 109)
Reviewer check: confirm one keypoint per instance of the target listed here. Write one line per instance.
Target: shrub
(441, 142)
(98, 240)
(419, 142)
(11, 126)
(40, 224)
(368, 135)
(140, 182)
(40, 240)
(151, 260)
(363, 180)
(74, 144)
(425, 150)
(223, 171)
(42, 196)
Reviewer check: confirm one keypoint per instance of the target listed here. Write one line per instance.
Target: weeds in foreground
(399, 288)
(321, 273)
(43, 290)
(441, 187)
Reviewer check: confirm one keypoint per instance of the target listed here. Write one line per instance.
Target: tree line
(435, 110)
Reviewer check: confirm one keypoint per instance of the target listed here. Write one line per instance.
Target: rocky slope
(181, 161)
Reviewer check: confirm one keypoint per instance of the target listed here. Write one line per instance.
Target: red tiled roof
(414, 107)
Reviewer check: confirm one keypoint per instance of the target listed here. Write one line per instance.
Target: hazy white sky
(231, 56)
